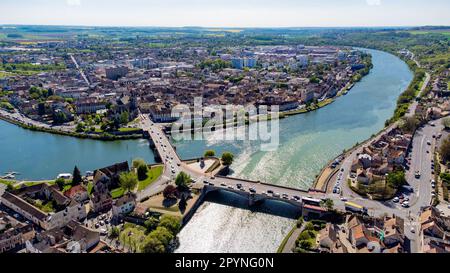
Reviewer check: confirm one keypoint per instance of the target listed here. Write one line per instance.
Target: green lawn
(152, 175)
(128, 129)
(117, 193)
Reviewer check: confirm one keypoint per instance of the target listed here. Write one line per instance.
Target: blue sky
(226, 13)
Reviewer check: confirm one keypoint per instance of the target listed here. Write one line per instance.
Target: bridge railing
(263, 183)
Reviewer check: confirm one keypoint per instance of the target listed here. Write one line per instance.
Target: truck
(355, 208)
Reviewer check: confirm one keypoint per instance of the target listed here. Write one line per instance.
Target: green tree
(142, 172)
(153, 245)
(227, 158)
(128, 181)
(328, 203)
(124, 117)
(138, 162)
(409, 124)
(60, 182)
(151, 224)
(163, 235)
(396, 179)
(76, 177)
(182, 180)
(114, 232)
(305, 244)
(445, 150)
(210, 153)
(446, 123)
(309, 226)
(171, 223)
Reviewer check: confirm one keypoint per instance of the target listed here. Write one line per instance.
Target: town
(388, 194)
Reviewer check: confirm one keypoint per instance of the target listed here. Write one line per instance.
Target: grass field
(152, 175)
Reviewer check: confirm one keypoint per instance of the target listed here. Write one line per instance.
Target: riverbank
(102, 136)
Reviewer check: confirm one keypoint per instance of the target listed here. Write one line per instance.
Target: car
(102, 223)
(206, 181)
(343, 199)
(413, 230)
(433, 186)
(275, 194)
(335, 190)
(338, 190)
(212, 177)
(432, 124)
(173, 171)
(103, 232)
(223, 185)
(231, 187)
(97, 225)
(428, 142)
(285, 196)
(252, 190)
(297, 197)
(239, 186)
(433, 136)
(396, 200)
(270, 191)
(107, 221)
(178, 164)
(342, 170)
(406, 199)
(417, 174)
(16, 215)
(211, 184)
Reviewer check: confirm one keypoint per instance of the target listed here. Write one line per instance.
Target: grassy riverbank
(103, 136)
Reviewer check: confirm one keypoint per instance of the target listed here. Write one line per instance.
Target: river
(307, 143)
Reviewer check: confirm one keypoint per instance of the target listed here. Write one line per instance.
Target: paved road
(16, 116)
(79, 69)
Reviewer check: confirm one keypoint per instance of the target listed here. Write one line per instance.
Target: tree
(124, 117)
(114, 232)
(169, 192)
(60, 182)
(128, 181)
(151, 224)
(142, 172)
(153, 245)
(210, 153)
(446, 123)
(328, 203)
(171, 223)
(163, 235)
(409, 124)
(305, 244)
(182, 180)
(138, 162)
(227, 159)
(396, 179)
(445, 150)
(76, 180)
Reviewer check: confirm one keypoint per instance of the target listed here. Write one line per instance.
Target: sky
(226, 13)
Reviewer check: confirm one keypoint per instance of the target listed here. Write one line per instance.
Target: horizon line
(225, 27)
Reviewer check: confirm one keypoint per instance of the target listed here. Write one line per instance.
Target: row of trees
(227, 157)
(161, 233)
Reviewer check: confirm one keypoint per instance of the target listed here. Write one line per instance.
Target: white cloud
(73, 2)
(373, 2)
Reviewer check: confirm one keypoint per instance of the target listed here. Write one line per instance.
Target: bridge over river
(255, 191)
